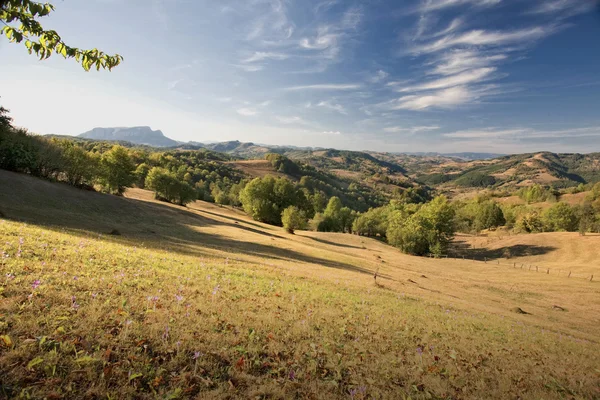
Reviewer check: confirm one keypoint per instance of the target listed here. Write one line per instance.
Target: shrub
(529, 222)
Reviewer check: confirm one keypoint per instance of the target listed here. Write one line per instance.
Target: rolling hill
(127, 296)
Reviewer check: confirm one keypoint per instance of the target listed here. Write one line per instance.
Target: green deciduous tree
(428, 230)
(118, 170)
(167, 187)
(21, 25)
(293, 218)
(561, 217)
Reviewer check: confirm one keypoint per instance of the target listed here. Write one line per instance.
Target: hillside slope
(271, 314)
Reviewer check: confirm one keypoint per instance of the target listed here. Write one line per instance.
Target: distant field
(202, 302)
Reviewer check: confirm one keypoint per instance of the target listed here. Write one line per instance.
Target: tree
(529, 222)
(118, 170)
(167, 187)
(20, 18)
(429, 229)
(561, 217)
(489, 215)
(293, 218)
(78, 166)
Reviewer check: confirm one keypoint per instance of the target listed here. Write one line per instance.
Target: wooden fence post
(548, 272)
(536, 268)
(569, 274)
(485, 260)
(592, 278)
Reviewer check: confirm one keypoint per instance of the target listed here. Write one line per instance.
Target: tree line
(411, 220)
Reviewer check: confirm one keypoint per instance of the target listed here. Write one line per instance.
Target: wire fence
(524, 266)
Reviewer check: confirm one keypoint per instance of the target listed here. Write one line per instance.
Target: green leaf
(87, 359)
(34, 362)
(135, 376)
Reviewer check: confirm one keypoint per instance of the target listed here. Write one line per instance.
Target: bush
(293, 218)
(529, 222)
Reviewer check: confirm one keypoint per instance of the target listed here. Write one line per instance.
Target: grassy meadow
(126, 297)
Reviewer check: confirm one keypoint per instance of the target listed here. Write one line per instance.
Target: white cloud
(446, 98)
(326, 86)
(456, 61)
(247, 112)
(291, 120)
(379, 76)
(332, 106)
(435, 5)
(467, 77)
(482, 37)
(565, 8)
(250, 68)
(332, 132)
(262, 55)
(524, 133)
(411, 130)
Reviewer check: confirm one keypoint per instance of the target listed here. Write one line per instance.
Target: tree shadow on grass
(464, 249)
(154, 225)
(334, 243)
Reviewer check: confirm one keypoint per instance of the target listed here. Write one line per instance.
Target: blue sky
(426, 75)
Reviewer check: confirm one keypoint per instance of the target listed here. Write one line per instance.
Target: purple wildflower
(216, 290)
(179, 297)
(36, 284)
(196, 355)
(419, 351)
(292, 375)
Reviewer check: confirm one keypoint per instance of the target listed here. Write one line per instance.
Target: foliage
(372, 223)
(537, 193)
(529, 222)
(561, 217)
(477, 215)
(475, 179)
(293, 218)
(118, 170)
(167, 187)
(21, 24)
(264, 199)
(428, 230)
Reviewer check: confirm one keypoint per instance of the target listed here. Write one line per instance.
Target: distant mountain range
(138, 135)
(144, 135)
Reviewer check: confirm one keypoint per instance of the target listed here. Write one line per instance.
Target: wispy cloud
(459, 60)
(378, 76)
(564, 8)
(332, 132)
(467, 77)
(247, 112)
(294, 120)
(481, 37)
(435, 5)
(446, 98)
(325, 86)
(333, 107)
(411, 130)
(524, 133)
(262, 56)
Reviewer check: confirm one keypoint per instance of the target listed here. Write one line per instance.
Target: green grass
(88, 315)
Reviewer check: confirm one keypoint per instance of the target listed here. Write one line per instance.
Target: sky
(502, 76)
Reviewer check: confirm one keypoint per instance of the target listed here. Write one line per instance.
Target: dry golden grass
(203, 303)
